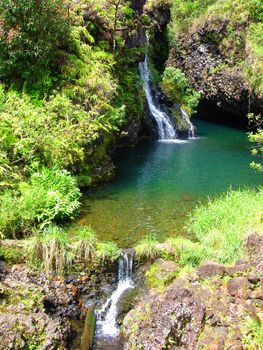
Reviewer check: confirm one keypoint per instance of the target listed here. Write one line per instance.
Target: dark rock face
(208, 311)
(199, 55)
(174, 316)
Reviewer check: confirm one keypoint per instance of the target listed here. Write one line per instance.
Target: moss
(161, 274)
(11, 255)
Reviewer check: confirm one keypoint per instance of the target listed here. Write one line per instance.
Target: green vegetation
(50, 195)
(222, 225)
(55, 250)
(147, 248)
(220, 229)
(85, 243)
(66, 92)
(158, 277)
(49, 249)
(252, 333)
(257, 139)
(240, 41)
(32, 34)
(177, 87)
(107, 251)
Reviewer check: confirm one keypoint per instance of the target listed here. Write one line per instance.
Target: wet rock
(210, 269)
(239, 287)
(173, 316)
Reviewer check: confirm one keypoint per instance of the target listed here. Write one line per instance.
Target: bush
(31, 35)
(51, 195)
(176, 85)
(147, 248)
(107, 252)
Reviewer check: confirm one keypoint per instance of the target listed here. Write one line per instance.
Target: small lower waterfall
(188, 124)
(106, 326)
(166, 130)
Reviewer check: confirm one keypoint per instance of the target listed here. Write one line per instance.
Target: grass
(222, 225)
(252, 333)
(147, 248)
(220, 229)
(50, 249)
(84, 244)
(107, 252)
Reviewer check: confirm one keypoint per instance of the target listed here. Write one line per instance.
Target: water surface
(158, 184)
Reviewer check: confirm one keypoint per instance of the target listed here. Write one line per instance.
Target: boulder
(175, 315)
(209, 269)
(239, 287)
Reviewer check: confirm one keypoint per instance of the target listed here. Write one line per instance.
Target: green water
(158, 184)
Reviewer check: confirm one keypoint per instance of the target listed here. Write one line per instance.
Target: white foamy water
(106, 318)
(166, 130)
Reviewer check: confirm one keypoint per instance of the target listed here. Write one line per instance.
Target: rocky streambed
(214, 307)
(210, 307)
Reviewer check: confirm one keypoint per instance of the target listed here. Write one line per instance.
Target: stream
(156, 186)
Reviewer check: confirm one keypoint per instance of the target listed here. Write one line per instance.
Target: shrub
(31, 35)
(51, 195)
(176, 85)
(50, 250)
(85, 242)
(147, 248)
(107, 251)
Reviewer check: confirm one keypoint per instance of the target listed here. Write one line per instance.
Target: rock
(18, 331)
(237, 346)
(173, 316)
(253, 278)
(209, 269)
(239, 287)
(240, 267)
(255, 251)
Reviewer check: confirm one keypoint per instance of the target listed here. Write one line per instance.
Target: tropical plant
(51, 195)
(32, 33)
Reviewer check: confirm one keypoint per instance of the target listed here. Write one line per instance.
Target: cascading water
(188, 124)
(106, 326)
(166, 130)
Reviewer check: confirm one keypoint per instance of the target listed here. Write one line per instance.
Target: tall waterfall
(188, 124)
(106, 318)
(166, 130)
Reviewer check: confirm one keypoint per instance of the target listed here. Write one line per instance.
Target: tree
(32, 32)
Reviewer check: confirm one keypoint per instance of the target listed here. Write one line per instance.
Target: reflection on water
(157, 184)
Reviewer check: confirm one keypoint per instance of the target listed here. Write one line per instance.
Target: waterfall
(166, 130)
(188, 124)
(106, 318)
